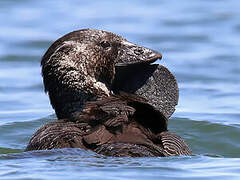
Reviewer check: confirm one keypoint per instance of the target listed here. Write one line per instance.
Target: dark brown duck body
(81, 75)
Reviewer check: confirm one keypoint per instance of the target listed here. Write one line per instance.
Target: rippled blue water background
(200, 43)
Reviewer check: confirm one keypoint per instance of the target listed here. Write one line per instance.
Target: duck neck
(66, 101)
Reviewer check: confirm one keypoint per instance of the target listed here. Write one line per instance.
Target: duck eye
(105, 44)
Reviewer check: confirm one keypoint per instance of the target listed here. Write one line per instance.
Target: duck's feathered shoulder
(116, 110)
(58, 134)
(114, 126)
(98, 122)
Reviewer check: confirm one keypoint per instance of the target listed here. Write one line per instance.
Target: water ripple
(199, 41)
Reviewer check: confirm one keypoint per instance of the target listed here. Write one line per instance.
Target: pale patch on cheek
(102, 87)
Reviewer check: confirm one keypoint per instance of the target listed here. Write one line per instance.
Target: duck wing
(58, 134)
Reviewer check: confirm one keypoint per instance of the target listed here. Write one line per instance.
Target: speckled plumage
(81, 75)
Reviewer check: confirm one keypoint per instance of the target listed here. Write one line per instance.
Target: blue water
(200, 43)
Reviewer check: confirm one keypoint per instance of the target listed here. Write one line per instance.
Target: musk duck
(108, 97)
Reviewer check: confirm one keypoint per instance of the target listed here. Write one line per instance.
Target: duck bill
(130, 53)
(133, 67)
(135, 74)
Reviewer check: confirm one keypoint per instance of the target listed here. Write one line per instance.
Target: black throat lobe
(130, 78)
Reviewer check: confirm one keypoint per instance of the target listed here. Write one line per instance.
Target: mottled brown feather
(97, 128)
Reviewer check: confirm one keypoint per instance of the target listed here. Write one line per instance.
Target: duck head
(84, 65)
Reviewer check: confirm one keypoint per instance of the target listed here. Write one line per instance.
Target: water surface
(199, 41)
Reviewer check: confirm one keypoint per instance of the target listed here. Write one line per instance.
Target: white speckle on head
(79, 47)
(126, 43)
(152, 55)
(102, 87)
